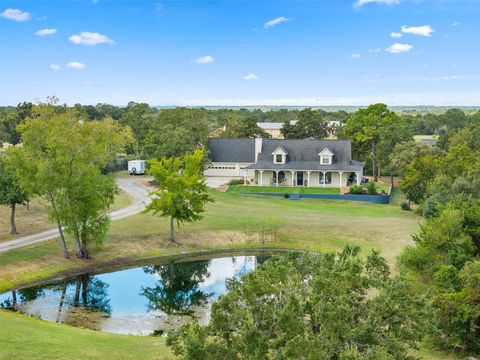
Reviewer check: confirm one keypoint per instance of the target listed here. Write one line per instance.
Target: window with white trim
(326, 159)
(327, 177)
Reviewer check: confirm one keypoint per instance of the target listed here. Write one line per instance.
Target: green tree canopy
(376, 126)
(181, 192)
(11, 193)
(330, 306)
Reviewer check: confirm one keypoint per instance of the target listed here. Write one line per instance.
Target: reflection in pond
(144, 300)
(177, 289)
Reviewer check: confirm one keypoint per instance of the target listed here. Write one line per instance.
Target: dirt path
(133, 186)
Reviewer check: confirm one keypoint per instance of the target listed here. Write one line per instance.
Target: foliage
(404, 153)
(61, 160)
(243, 127)
(371, 188)
(405, 206)
(356, 189)
(375, 129)
(262, 227)
(418, 176)
(301, 306)
(181, 192)
(311, 123)
(11, 193)
(175, 132)
(137, 116)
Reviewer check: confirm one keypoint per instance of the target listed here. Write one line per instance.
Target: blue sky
(241, 53)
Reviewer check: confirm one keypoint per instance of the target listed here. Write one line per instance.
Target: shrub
(405, 206)
(372, 188)
(356, 189)
(235, 182)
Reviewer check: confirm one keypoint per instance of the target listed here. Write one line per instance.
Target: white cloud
(456, 23)
(399, 48)
(250, 77)
(275, 21)
(355, 56)
(204, 59)
(376, 50)
(424, 30)
(54, 67)
(46, 32)
(90, 39)
(359, 3)
(15, 14)
(395, 35)
(75, 65)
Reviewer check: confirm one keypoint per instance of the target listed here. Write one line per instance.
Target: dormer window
(326, 156)
(279, 155)
(326, 160)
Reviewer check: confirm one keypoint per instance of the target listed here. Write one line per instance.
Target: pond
(146, 300)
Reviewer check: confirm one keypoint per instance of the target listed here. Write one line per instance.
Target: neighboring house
(430, 140)
(275, 128)
(285, 162)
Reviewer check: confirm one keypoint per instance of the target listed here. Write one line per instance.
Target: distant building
(275, 128)
(430, 140)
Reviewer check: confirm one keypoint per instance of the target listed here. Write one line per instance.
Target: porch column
(323, 182)
(261, 177)
(341, 173)
(308, 178)
(293, 176)
(359, 178)
(276, 177)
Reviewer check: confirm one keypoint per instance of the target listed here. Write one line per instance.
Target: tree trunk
(374, 161)
(62, 300)
(13, 227)
(28, 205)
(172, 229)
(77, 291)
(137, 150)
(59, 226)
(14, 298)
(78, 247)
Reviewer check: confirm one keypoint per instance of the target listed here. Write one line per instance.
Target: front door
(300, 178)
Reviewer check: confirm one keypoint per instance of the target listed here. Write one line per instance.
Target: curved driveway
(131, 185)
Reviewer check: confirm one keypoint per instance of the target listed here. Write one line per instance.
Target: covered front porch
(306, 178)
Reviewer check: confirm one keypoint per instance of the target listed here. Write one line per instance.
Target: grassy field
(29, 338)
(36, 219)
(318, 225)
(281, 189)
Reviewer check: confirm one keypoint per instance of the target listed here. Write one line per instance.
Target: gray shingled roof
(231, 150)
(303, 155)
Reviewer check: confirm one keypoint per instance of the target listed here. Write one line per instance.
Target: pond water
(144, 300)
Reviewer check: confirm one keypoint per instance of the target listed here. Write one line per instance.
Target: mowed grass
(29, 338)
(36, 219)
(318, 225)
(281, 189)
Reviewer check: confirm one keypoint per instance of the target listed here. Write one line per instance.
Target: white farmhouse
(285, 162)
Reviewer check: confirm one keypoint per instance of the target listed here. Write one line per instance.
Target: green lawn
(281, 189)
(29, 338)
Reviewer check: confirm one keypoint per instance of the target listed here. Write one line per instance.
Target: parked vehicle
(136, 167)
